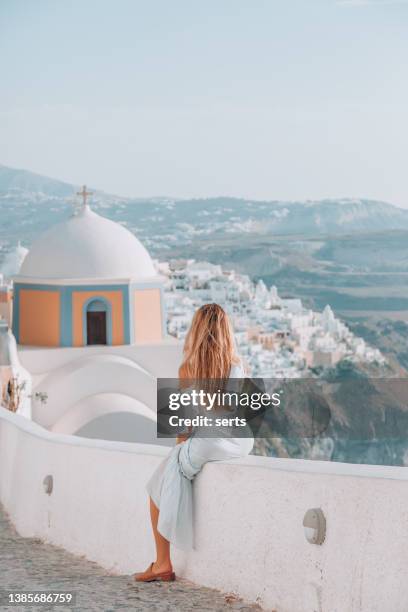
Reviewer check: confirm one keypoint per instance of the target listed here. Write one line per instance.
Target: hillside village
(276, 336)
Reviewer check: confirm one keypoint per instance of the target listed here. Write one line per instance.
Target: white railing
(248, 519)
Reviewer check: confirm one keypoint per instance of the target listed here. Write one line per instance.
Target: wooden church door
(96, 327)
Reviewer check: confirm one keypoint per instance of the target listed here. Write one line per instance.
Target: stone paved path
(30, 565)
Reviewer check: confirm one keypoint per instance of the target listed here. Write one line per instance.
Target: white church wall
(88, 376)
(123, 426)
(111, 416)
(160, 359)
(14, 374)
(248, 519)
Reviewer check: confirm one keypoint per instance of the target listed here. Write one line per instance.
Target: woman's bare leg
(163, 561)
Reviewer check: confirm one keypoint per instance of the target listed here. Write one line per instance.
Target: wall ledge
(270, 463)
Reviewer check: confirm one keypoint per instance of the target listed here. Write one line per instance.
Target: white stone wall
(160, 359)
(249, 534)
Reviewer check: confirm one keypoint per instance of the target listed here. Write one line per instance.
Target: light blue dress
(170, 486)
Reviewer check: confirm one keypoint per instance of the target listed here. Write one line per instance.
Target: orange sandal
(150, 576)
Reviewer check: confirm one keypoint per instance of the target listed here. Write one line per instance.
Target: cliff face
(348, 416)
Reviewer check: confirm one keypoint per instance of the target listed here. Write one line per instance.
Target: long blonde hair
(209, 348)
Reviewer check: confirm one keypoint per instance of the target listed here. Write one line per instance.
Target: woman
(209, 353)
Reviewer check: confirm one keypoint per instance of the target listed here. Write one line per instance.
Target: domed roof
(87, 246)
(13, 260)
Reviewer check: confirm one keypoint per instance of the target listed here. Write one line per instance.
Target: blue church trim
(66, 312)
(127, 315)
(66, 317)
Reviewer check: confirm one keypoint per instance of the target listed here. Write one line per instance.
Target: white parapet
(248, 519)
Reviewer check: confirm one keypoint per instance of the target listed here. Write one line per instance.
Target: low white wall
(248, 519)
(161, 359)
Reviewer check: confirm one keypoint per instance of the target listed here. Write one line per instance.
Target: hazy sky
(264, 99)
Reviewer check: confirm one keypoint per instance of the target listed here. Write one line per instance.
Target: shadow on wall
(123, 427)
(111, 416)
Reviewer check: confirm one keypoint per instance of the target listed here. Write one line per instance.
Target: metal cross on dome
(84, 193)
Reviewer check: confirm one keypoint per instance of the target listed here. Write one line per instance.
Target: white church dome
(13, 261)
(87, 246)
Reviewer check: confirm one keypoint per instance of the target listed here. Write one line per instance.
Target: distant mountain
(12, 179)
(167, 221)
(338, 217)
(335, 216)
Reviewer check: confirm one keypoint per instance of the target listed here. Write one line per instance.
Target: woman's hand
(182, 438)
